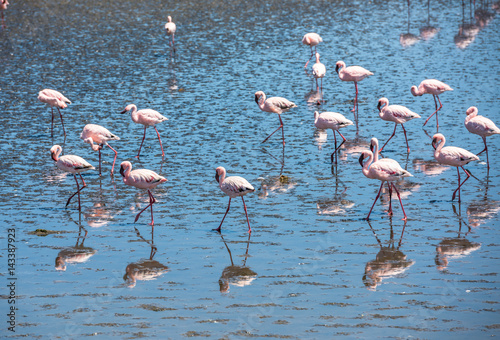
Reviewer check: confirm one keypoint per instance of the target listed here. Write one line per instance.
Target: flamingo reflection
(76, 254)
(481, 210)
(429, 167)
(428, 32)
(408, 39)
(338, 205)
(99, 215)
(466, 31)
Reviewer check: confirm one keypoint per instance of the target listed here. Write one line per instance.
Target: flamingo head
(414, 91)
(60, 265)
(338, 65)
(128, 108)
(382, 102)
(258, 96)
(436, 139)
(362, 157)
(55, 151)
(220, 172)
(471, 110)
(90, 141)
(124, 166)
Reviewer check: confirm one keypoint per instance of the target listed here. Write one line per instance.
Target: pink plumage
(55, 99)
(93, 133)
(481, 126)
(3, 7)
(434, 87)
(170, 29)
(334, 121)
(352, 73)
(319, 71)
(312, 40)
(276, 105)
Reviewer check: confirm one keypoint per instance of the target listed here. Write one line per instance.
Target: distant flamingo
(311, 39)
(146, 117)
(434, 87)
(352, 73)
(453, 156)
(334, 121)
(385, 171)
(170, 29)
(95, 133)
(54, 98)
(233, 186)
(274, 104)
(319, 71)
(73, 164)
(3, 7)
(481, 126)
(397, 114)
(142, 179)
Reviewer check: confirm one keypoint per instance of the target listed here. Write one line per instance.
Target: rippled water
(312, 267)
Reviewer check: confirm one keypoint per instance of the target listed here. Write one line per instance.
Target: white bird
(481, 126)
(434, 87)
(55, 99)
(334, 121)
(170, 29)
(312, 40)
(319, 71)
(95, 133)
(352, 73)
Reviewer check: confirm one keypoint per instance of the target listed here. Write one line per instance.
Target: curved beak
(122, 171)
(361, 159)
(434, 141)
(379, 105)
(54, 157)
(217, 177)
(257, 99)
(337, 68)
(124, 111)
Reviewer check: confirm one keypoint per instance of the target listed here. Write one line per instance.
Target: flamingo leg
(100, 147)
(228, 205)
(114, 160)
(78, 191)
(400, 202)
(246, 213)
(162, 153)
(52, 126)
(389, 211)
(460, 184)
(312, 54)
(376, 198)
(62, 121)
(145, 127)
(485, 149)
(393, 133)
(435, 112)
(151, 202)
(406, 138)
(355, 98)
(280, 127)
(173, 42)
(343, 141)
(335, 139)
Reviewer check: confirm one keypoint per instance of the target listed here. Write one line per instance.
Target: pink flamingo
(434, 87)
(73, 164)
(311, 39)
(395, 113)
(95, 133)
(54, 98)
(386, 170)
(334, 121)
(374, 149)
(453, 156)
(481, 126)
(170, 29)
(142, 179)
(233, 186)
(146, 117)
(319, 71)
(3, 7)
(352, 73)
(274, 104)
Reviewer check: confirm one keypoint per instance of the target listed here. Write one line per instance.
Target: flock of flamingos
(373, 165)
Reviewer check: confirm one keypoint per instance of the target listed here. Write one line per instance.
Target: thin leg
(337, 148)
(485, 149)
(62, 121)
(280, 127)
(400, 202)
(162, 153)
(114, 160)
(245, 207)
(355, 98)
(460, 184)
(173, 42)
(435, 112)
(228, 205)
(406, 138)
(141, 142)
(312, 54)
(376, 198)
(78, 191)
(52, 127)
(100, 147)
(389, 211)
(393, 133)
(335, 139)
(151, 202)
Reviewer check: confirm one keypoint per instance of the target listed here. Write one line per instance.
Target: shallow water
(312, 267)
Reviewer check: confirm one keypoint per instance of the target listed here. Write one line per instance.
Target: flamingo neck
(55, 154)
(473, 113)
(440, 145)
(366, 165)
(222, 177)
(94, 147)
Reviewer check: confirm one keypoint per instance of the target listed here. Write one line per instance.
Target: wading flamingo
(319, 71)
(434, 87)
(395, 113)
(170, 29)
(312, 40)
(146, 117)
(73, 164)
(453, 156)
(142, 179)
(3, 7)
(274, 104)
(95, 133)
(385, 171)
(233, 186)
(352, 73)
(54, 98)
(481, 126)
(334, 121)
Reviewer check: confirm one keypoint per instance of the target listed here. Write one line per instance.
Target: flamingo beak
(379, 105)
(337, 68)
(54, 157)
(217, 176)
(371, 147)
(122, 171)
(361, 159)
(124, 111)
(434, 143)
(257, 99)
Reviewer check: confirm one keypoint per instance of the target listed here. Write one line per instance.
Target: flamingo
(481, 126)
(3, 7)
(311, 39)
(334, 121)
(319, 71)
(233, 186)
(395, 113)
(73, 164)
(146, 117)
(385, 171)
(452, 156)
(375, 150)
(434, 87)
(142, 179)
(170, 29)
(274, 104)
(95, 133)
(352, 73)
(54, 98)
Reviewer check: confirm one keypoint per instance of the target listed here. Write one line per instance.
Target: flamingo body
(93, 133)
(276, 105)
(481, 126)
(312, 40)
(55, 99)
(433, 87)
(352, 73)
(170, 29)
(334, 121)
(319, 71)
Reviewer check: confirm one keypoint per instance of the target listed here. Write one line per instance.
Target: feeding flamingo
(481, 126)
(352, 73)
(170, 29)
(146, 117)
(142, 179)
(334, 121)
(386, 171)
(312, 40)
(54, 98)
(453, 156)
(73, 164)
(319, 71)
(233, 186)
(434, 87)
(274, 104)
(95, 133)
(395, 113)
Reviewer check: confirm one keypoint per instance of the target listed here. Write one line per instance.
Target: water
(312, 267)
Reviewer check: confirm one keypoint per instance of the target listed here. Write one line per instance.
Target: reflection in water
(390, 261)
(99, 215)
(76, 254)
(353, 147)
(481, 210)
(466, 31)
(336, 206)
(276, 184)
(238, 276)
(428, 32)
(405, 188)
(408, 39)
(430, 167)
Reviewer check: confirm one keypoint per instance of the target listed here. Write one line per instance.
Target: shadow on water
(480, 211)
(75, 254)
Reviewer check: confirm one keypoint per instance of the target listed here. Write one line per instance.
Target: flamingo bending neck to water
(312, 40)
(95, 133)
(434, 87)
(481, 126)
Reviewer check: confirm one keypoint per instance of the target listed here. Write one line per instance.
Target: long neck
(55, 155)
(440, 145)
(94, 147)
(375, 151)
(471, 115)
(366, 165)
(134, 112)
(222, 177)
(262, 101)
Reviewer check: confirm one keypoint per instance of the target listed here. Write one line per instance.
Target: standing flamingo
(274, 104)
(142, 179)
(3, 7)
(334, 121)
(233, 186)
(395, 113)
(481, 126)
(434, 87)
(95, 133)
(319, 71)
(311, 39)
(385, 171)
(146, 117)
(453, 156)
(170, 29)
(54, 98)
(352, 73)
(73, 164)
